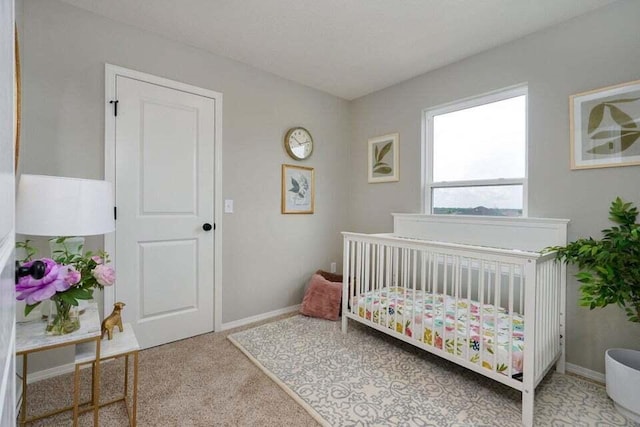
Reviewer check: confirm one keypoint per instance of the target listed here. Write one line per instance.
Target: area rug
(366, 378)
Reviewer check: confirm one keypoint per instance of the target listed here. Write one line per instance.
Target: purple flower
(97, 259)
(55, 280)
(104, 274)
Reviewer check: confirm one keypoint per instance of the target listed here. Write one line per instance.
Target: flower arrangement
(68, 278)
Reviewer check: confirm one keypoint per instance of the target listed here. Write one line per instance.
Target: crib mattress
(435, 320)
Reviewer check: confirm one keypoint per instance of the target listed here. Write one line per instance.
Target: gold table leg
(23, 404)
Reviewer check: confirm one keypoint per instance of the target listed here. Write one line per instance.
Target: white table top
(31, 335)
(122, 343)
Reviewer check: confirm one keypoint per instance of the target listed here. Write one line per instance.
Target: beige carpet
(201, 381)
(366, 378)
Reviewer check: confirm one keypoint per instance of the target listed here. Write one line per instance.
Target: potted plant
(609, 273)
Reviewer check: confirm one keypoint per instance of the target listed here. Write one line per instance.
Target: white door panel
(165, 142)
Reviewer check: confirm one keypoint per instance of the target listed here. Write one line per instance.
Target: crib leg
(527, 407)
(344, 323)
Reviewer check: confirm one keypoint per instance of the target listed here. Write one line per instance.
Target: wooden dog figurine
(113, 320)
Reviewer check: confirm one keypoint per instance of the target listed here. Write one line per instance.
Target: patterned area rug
(366, 378)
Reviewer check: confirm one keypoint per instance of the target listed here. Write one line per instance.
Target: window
(475, 156)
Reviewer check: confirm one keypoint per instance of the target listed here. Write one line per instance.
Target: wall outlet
(228, 206)
(334, 267)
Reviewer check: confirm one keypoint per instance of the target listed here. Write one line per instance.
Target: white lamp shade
(59, 206)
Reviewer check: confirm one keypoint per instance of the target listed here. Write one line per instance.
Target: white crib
(473, 290)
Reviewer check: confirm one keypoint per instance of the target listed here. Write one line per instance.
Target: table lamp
(56, 206)
(60, 206)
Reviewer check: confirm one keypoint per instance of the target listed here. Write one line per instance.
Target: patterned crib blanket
(429, 319)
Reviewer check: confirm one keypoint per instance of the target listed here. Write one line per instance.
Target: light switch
(228, 206)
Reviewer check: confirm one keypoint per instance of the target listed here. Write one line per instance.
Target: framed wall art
(383, 158)
(605, 127)
(298, 190)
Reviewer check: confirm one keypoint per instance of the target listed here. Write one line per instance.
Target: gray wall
(267, 257)
(591, 51)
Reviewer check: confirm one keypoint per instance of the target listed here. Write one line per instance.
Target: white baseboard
(259, 317)
(584, 372)
(44, 374)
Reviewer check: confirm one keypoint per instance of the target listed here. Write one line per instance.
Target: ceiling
(348, 48)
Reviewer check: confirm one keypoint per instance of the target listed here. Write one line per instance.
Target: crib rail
(495, 311)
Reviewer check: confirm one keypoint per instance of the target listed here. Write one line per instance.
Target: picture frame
(383, 159)
(298, 189)
(17, 100)
(605, 127)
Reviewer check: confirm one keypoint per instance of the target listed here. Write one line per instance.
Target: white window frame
(428, 185)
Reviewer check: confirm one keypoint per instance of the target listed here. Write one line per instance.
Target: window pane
(483, 142)
(497, 200)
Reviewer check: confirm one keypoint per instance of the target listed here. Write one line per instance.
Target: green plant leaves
(383, 170)
(380, 166)
(620, 117)
(595, 117)
(383, 152)
(609, 268)
(626, 135)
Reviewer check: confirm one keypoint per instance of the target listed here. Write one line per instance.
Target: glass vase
(63, 318)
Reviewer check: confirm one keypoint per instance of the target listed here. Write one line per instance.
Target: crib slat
(496, 306)
(510, 359)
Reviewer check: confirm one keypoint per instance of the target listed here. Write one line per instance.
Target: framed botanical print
(384, 158)
(605, 127)
(298, 190)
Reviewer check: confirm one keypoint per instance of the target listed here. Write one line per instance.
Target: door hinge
(115, 213)
(214, 226)
(115, 107)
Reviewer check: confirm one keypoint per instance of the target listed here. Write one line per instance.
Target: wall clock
(298, 143)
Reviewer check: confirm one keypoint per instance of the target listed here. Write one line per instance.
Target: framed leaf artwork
(605, 127)
(384, 158)
(298, 190)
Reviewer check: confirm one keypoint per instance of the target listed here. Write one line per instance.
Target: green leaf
(375, 156)
(595, 117)
(29, 308)
(380, 164)
(628, 138)
(385, 170)
(64, 296)
(384, 151)
(621, 118)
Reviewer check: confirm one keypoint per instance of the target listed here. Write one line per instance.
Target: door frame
(111, 72)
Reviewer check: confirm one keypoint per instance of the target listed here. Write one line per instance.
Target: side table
(31, 338)
(123, 344)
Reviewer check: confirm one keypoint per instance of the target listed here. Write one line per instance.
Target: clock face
(298, 143)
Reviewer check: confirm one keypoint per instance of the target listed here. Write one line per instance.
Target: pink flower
(72, 276)
(104, 275)
(97, 259)
(34, 291)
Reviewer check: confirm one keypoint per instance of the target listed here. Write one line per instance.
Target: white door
(164, 185)
(7, 236)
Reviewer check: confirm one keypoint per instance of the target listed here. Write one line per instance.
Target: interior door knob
(37, 270)
(206, 226)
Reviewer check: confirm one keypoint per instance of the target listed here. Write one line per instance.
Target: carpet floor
(207, 381)
(366, 378)
(200, 381)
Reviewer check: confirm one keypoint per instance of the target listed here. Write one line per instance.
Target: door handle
(37, 270)
(207, 227)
